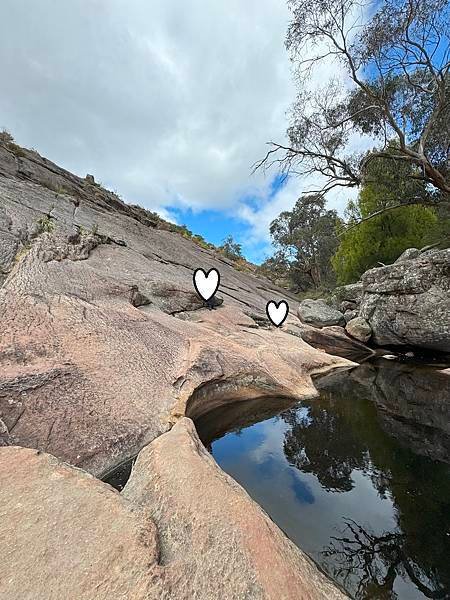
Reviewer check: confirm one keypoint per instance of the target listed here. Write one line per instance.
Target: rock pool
(358, 478)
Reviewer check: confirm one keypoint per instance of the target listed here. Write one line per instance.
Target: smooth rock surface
(67, 535)
(104, 347)
(408, 302)
(104, 340)
(219, 541)
(359, 329)
(182, 529)
(333, 340)
(319, 314)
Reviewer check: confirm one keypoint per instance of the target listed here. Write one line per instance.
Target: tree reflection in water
(374, 562)
(344, 432)
(358, 478)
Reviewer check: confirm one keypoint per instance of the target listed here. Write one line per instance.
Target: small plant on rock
(45, 225)
(7, 140)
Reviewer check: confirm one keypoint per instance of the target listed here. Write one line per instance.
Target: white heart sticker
(206, 284)
(277, 313)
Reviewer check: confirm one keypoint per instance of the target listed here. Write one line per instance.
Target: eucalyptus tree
(396, 58)
(305, 239)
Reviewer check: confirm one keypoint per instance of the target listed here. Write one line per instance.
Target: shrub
(6, 137)
(45, 225)
(231, 249)
(7, 140)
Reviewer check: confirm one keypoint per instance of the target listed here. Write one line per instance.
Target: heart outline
(206, 275)
(277, 306)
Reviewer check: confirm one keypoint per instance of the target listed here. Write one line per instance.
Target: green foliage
(200, 241)
(182, 230)
(382, 238)
(17, 150)
(60, 189)
(314, 294)
(23, 251)
(7, 139)
(394, 56)
(45, 225)
(231, 249)
(240, 264)
(187, 233)
(85, 232)
(275, 268)
(441, 232)
(305, 239)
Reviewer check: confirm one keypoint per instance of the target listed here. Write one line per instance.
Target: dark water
(359, 478)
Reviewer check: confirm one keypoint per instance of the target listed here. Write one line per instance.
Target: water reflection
(236, 417)
(357, 478)
(413, 402)
(374, 562)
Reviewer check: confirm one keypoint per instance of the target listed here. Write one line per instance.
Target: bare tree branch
(398, 63)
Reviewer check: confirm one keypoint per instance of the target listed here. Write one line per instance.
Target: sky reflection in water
(347, 465)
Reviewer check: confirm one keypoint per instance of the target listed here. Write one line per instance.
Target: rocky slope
(404, 305)
(104, 347)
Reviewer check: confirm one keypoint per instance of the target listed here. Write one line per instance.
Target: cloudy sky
(167, 102)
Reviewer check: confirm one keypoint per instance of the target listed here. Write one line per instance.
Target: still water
(359, 478)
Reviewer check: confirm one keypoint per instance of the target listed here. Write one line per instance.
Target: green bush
(7, 139)
(45, 225)
(381, 239)
(231, 249)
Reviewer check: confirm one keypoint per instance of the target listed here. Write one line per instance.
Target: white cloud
(168, 103)
(260, 217)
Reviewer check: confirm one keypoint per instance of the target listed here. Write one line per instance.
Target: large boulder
(333, 340)
(408, 254)
(352, 292)
(350, 314)
(346, 305)
(181, 529)
(319, 314)
(408, 302)
(359, 329)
